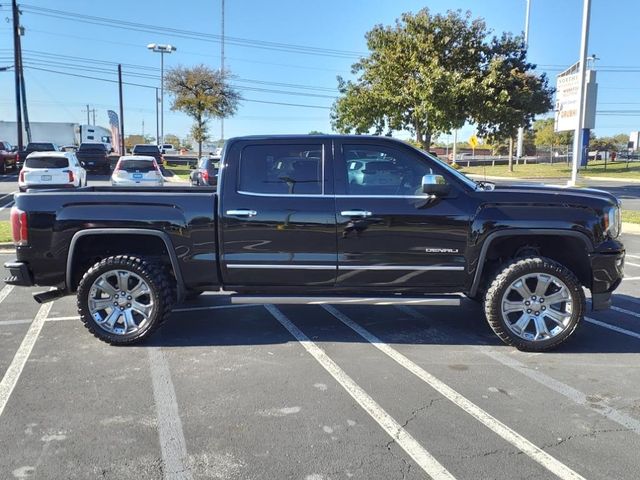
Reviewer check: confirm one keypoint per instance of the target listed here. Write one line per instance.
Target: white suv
(52, 170)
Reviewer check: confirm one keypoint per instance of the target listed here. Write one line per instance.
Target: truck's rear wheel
(122, 299)
(534, 304)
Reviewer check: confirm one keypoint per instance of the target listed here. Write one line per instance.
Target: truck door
(277, 211)
(390, 234)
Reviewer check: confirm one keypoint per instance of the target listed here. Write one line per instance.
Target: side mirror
(435, 185)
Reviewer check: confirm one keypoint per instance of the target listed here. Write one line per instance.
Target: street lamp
(161, 49)
(520, 144)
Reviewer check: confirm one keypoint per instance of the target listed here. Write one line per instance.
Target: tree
(316, 132)
(429, 74)
(201, 93)
(172, 139)
(131, 140)
(545, 134)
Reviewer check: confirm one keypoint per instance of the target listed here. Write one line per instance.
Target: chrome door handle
(242, 213)
(355, 213)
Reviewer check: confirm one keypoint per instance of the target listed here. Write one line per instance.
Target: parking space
(312, 392)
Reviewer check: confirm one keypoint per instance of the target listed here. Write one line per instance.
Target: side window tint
(372, 170)
(281, 169)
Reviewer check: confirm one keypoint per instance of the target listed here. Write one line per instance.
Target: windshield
(146, 149)
(137, 166)
(40, 146)
(92, 147)
(46, 162)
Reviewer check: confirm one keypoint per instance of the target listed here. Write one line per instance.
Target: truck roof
(312, 137)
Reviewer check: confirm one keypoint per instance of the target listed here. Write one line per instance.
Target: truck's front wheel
(123, 299)
(534, 304)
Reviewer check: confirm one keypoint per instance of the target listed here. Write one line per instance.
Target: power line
(153, 87)
(181, 33)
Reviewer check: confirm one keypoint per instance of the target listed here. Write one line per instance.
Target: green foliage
(544, 134)
(201, 93)
(429, 74)
(131, 140)
(316, 132)
(172, 139)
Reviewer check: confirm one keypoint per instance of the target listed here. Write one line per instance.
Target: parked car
(35, 147)
(51, 170)
(132, 170)
(148, 150)
(168, 148)
(7, 157)
(206, 172)
(310, 236)
(94, 157)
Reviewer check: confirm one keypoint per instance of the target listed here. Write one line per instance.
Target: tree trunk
(511, 154)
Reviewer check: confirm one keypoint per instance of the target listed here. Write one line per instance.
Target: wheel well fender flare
(173, 258)
(521, 232)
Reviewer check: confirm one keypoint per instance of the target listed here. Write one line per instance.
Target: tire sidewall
(133, 265)
(514, 271)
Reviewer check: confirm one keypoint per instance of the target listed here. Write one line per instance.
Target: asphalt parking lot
(313, 392)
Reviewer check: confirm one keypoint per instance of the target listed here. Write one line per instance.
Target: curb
(174, 179)
(630, 228)
(613, 179)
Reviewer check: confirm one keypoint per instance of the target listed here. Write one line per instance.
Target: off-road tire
(510, 273)
(160, 284)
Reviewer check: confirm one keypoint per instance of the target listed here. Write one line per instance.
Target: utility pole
(143, 128)
(16, 69)
(23, 89)
(93, 114)
(157, 119)
(520, 147)
(582, 71)
(122, 150)
(222, 68)
(88, 122)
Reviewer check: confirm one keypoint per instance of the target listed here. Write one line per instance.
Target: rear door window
(46, 162)
(141, 166)
(281, 169)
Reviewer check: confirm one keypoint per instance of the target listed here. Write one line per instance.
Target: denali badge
(442, 250)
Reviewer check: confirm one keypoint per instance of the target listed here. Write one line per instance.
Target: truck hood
(551, 194)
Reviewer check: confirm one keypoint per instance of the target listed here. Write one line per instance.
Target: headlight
(612, 222)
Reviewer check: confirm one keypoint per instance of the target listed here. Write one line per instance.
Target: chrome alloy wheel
(120, 302)
(537, 307)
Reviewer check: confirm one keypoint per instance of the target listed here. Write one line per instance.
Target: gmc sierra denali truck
(324, 219)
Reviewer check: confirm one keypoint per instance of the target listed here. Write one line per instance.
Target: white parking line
(625, 311)
(633, 256)
(417, 452)
(521, 443)
(10, 204)
(14, 322)
(630, 278)
(7, 195)
(212, 307)
(612, 327)
(4, 293)
(571, 393)
(632, 264)
(172, 442)
(565, 390)
(12, 374)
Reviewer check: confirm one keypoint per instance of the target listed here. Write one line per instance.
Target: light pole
(577, 134)
(519, 149)
(161, 49)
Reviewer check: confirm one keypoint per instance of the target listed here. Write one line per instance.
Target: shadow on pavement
(465, 325)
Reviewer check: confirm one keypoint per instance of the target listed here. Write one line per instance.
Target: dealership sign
(567, 98)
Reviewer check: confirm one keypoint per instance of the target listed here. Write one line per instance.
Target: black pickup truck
(325, 219)
(94, 157)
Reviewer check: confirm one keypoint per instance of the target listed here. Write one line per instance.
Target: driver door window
(383, 171)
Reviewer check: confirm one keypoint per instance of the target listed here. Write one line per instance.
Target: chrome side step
(448, 301)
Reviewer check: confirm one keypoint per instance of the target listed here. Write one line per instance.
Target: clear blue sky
(328, 24)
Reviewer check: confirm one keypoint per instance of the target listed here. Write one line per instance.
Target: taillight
(19, 228)
(21, 178)
(71, 179)
(205, 176)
